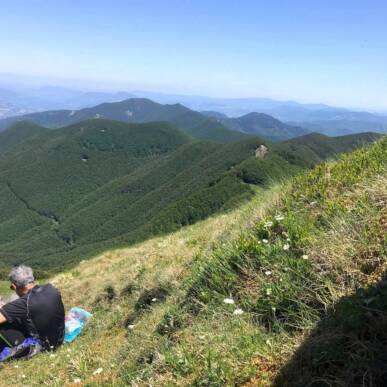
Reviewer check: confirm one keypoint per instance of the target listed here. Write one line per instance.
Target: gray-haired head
(21, 275)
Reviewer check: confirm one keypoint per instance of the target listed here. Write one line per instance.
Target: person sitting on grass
(38, 313)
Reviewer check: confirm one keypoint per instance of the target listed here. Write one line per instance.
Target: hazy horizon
(321, 52)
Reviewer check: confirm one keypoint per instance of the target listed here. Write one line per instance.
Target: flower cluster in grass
(266, 273)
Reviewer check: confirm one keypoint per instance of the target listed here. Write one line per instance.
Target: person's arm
(3, 319)
(13, 310)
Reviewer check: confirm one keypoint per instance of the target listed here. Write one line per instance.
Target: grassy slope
(334, 221)
(160, 261)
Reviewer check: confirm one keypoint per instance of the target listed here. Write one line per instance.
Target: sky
(329, 51)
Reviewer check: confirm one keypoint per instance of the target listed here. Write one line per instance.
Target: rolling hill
(69, 192)
(136, 110)
(261, 125)
(19, 132)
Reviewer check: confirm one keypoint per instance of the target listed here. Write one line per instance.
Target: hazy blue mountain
(320, 117)
(343, 127)
(261, 125)
(29, 100)
(323, 118)
(232, 107)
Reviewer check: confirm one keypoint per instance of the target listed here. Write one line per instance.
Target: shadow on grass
(347, 348)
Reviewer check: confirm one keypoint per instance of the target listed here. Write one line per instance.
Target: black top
(39, 313)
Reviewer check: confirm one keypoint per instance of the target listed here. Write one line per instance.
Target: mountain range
(314, 117)
(205, 125)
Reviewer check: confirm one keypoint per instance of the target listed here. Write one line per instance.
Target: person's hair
(21, 275)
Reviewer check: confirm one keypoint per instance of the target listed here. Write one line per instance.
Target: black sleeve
(14, 310)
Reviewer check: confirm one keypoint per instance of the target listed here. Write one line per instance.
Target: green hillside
(19, 132)
(286, 290)
(102, 183)
(68, 193)
(136, 110)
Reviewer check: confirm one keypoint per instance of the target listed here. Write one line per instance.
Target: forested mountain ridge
(136, 110)
(67, 193)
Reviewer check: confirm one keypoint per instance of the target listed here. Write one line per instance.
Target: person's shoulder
(50, 288)
(14, 308)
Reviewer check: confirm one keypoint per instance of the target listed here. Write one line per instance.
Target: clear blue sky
(332, 51)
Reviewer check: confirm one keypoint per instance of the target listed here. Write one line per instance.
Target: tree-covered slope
(67, 193)
(136, 110)
(102, 181)
(19, 132)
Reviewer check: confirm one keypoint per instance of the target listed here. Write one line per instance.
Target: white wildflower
(98, 371)
(267, 272)
(265, 241)
(229, 301)
(286, 247)
(16, 366)
(287, 239)
(279, 217)
(238, 311)
(154, 299)
(268, 224)
(131, 327)
(305, 257)
(77, 380)
(23, 376)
